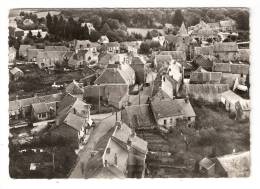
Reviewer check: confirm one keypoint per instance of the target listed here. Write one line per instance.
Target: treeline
(69, 29)
(156, 18)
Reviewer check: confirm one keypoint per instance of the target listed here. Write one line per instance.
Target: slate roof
(226, 47)
(75, 121)
(186, 107)
(204, 61)
(74, 88)
(166, 108)
(176, 55)
(237, 164)
(142, 113)
(207, 50)
(40, 108)
(205, 77)
(56, 48)
(231, 68)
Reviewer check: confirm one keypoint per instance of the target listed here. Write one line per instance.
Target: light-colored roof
(227, 23)
(15, 70)
(183, 30)
(186, 107)
(231, 68)
(176, 55)
(56, 48)
(166, 108)
(206, 163)
(205, 77)
(40, 108)
(237, 164)
(231, 96)
(75, 121)
(226, 47)
(245, 104)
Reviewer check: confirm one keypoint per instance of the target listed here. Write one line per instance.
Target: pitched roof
(40, 108)
(226, 47)
(166, 108)
(74, 88)
(204, 61)
(183, 30)
(176, 55)
(205, 77)
(56, 48)
(123, 74)
(244, 55)
(231, 68)
(206, 163)
(186, 107)
(227, 23)
(15, 70)
(140, 115)
(206, 50)
(171, 38)
(75, 121)
(137, 60)
(82, 44)
(112, 44)
(236, 165)
(231, 96)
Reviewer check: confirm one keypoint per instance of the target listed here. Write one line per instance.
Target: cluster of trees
(61, 29)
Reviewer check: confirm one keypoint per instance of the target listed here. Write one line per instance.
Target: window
(170, 120)
(189, 118)
(108, 151)
(164, 122)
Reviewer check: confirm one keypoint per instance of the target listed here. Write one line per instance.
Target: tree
(49, 23)
(39, 35)
(144, 48)
(113, 23)
(242, 19)
(177, 18)
(148, 35)
(96, 21)
(105, 28)
(94, 36)
(30, 35)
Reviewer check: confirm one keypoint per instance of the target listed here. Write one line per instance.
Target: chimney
(129, 142)
(186, 99)
(115, 159)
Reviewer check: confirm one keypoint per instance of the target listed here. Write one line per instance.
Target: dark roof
(205, 77)
(40, 108)
(231, 68)
(139, 116)
(226, 47)
(166, 108)
(204, 61)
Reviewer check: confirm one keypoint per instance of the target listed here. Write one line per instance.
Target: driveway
(101, 129)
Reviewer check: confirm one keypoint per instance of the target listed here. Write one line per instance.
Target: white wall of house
(168, 121)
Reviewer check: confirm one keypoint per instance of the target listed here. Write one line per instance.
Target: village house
(104, 59)
(162, 62)
(16, 74)
(205, 77)
(244, 55)
(32, 54)
(130, 47)
(122, 155)
(111, 47)
(227, 25)
(43, 111)
(204, 50)
(76, 60)
(166, 111)
(103, 39)
(204, 61)
(139, 116)
(115, 95)
(22, 108)
(243, 110)
(73, 121)
(230, 99)
(189, 114)
(75, 89)
(172, 81)
(126, 151)
(11, 54)
(35, 33)
(230, 165)
(89, 76)
(23, 50)
(49, 58)
(119, 73)
(178, 56)
(227, 51)
(138, 65)
(86, 45)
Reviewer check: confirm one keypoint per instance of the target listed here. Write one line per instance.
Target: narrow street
(101, 129)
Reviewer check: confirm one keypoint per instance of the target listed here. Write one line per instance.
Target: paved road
(101, 129)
